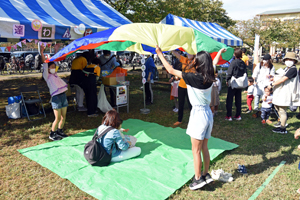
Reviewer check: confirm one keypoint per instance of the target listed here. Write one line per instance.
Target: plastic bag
(103, 104)
(13, 111)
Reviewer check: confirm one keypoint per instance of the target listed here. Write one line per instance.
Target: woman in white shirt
(261, 75)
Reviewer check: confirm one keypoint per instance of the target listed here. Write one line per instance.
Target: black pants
(237, 93)
(90, 91)
(182, 93)
(112, 97)
(149, 92)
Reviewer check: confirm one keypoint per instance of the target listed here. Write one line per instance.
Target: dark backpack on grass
(95, 153)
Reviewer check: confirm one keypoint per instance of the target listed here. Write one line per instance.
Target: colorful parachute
(143, 37)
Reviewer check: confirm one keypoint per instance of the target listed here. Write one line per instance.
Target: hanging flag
(29, 40)
(8, 48)
(19, 44)
(49, 45)
(2, 49)
(36, 41)
(24, 41)
(45, 44)
(14, 46)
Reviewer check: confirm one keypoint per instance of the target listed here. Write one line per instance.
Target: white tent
(212, 30)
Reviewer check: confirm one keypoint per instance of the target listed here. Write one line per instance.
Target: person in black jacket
(237, 69)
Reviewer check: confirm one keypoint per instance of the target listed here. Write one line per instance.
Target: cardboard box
(109, 80)
(164, 72)
(162, 76)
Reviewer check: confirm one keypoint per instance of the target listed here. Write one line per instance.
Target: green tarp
(165, 164)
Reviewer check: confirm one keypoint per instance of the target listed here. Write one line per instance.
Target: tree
(274, 31)
(154, 11)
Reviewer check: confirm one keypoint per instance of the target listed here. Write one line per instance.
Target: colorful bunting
(19, 44)
(2, 49)
(24, 41)
(29, 40)
(49, 45)
(14, 46)
(8, 48)
(36, 41)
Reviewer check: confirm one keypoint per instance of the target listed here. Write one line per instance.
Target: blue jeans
(59, 101)
(256, 101)
(265, 113)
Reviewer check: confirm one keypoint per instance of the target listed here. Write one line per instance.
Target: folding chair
(26, 99)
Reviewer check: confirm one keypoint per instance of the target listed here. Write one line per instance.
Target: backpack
(95, 153)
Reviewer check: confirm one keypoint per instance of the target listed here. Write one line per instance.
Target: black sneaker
(280, 130)
(208, 178)
(246, 110)
(196, 184)
(278, 124)
(61, 133)
(249, 111)
(53, 136)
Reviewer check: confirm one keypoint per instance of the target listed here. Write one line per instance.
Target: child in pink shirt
(59, 101)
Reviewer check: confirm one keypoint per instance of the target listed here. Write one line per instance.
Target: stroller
(37, 62)
(28, 61)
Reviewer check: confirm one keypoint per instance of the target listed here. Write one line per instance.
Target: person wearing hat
(286, 90)
(262, 74)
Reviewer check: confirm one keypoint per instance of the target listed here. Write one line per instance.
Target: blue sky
(243, 10)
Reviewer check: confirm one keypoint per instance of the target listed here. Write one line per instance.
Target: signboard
(88, 32)
(19, 30)
(121, 95)
(47, 32)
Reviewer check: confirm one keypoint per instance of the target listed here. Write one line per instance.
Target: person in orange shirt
(244, 57)
(182, 88)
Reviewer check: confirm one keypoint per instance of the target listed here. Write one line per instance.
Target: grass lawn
(260, 150)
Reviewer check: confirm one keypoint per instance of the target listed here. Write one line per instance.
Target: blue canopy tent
(58, 18)
(212, 30)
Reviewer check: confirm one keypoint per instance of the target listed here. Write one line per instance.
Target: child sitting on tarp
(122, 146)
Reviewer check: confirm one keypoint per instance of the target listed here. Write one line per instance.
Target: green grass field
(259, 149)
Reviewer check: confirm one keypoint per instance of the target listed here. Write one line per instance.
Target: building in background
(290, 15)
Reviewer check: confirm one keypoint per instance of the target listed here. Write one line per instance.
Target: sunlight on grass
(260, 150)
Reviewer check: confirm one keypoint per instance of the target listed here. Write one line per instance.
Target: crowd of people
(276, 91)
(197, 80)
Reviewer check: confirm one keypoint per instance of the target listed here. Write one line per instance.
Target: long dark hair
(203, 64)
(270, 65)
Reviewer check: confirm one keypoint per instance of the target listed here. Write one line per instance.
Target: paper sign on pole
(121, 95)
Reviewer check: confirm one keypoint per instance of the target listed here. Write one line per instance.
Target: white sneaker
(175, 110)
(221, 175)
(225, 178)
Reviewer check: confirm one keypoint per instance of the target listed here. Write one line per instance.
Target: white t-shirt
(250, 90)
(266, 104)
